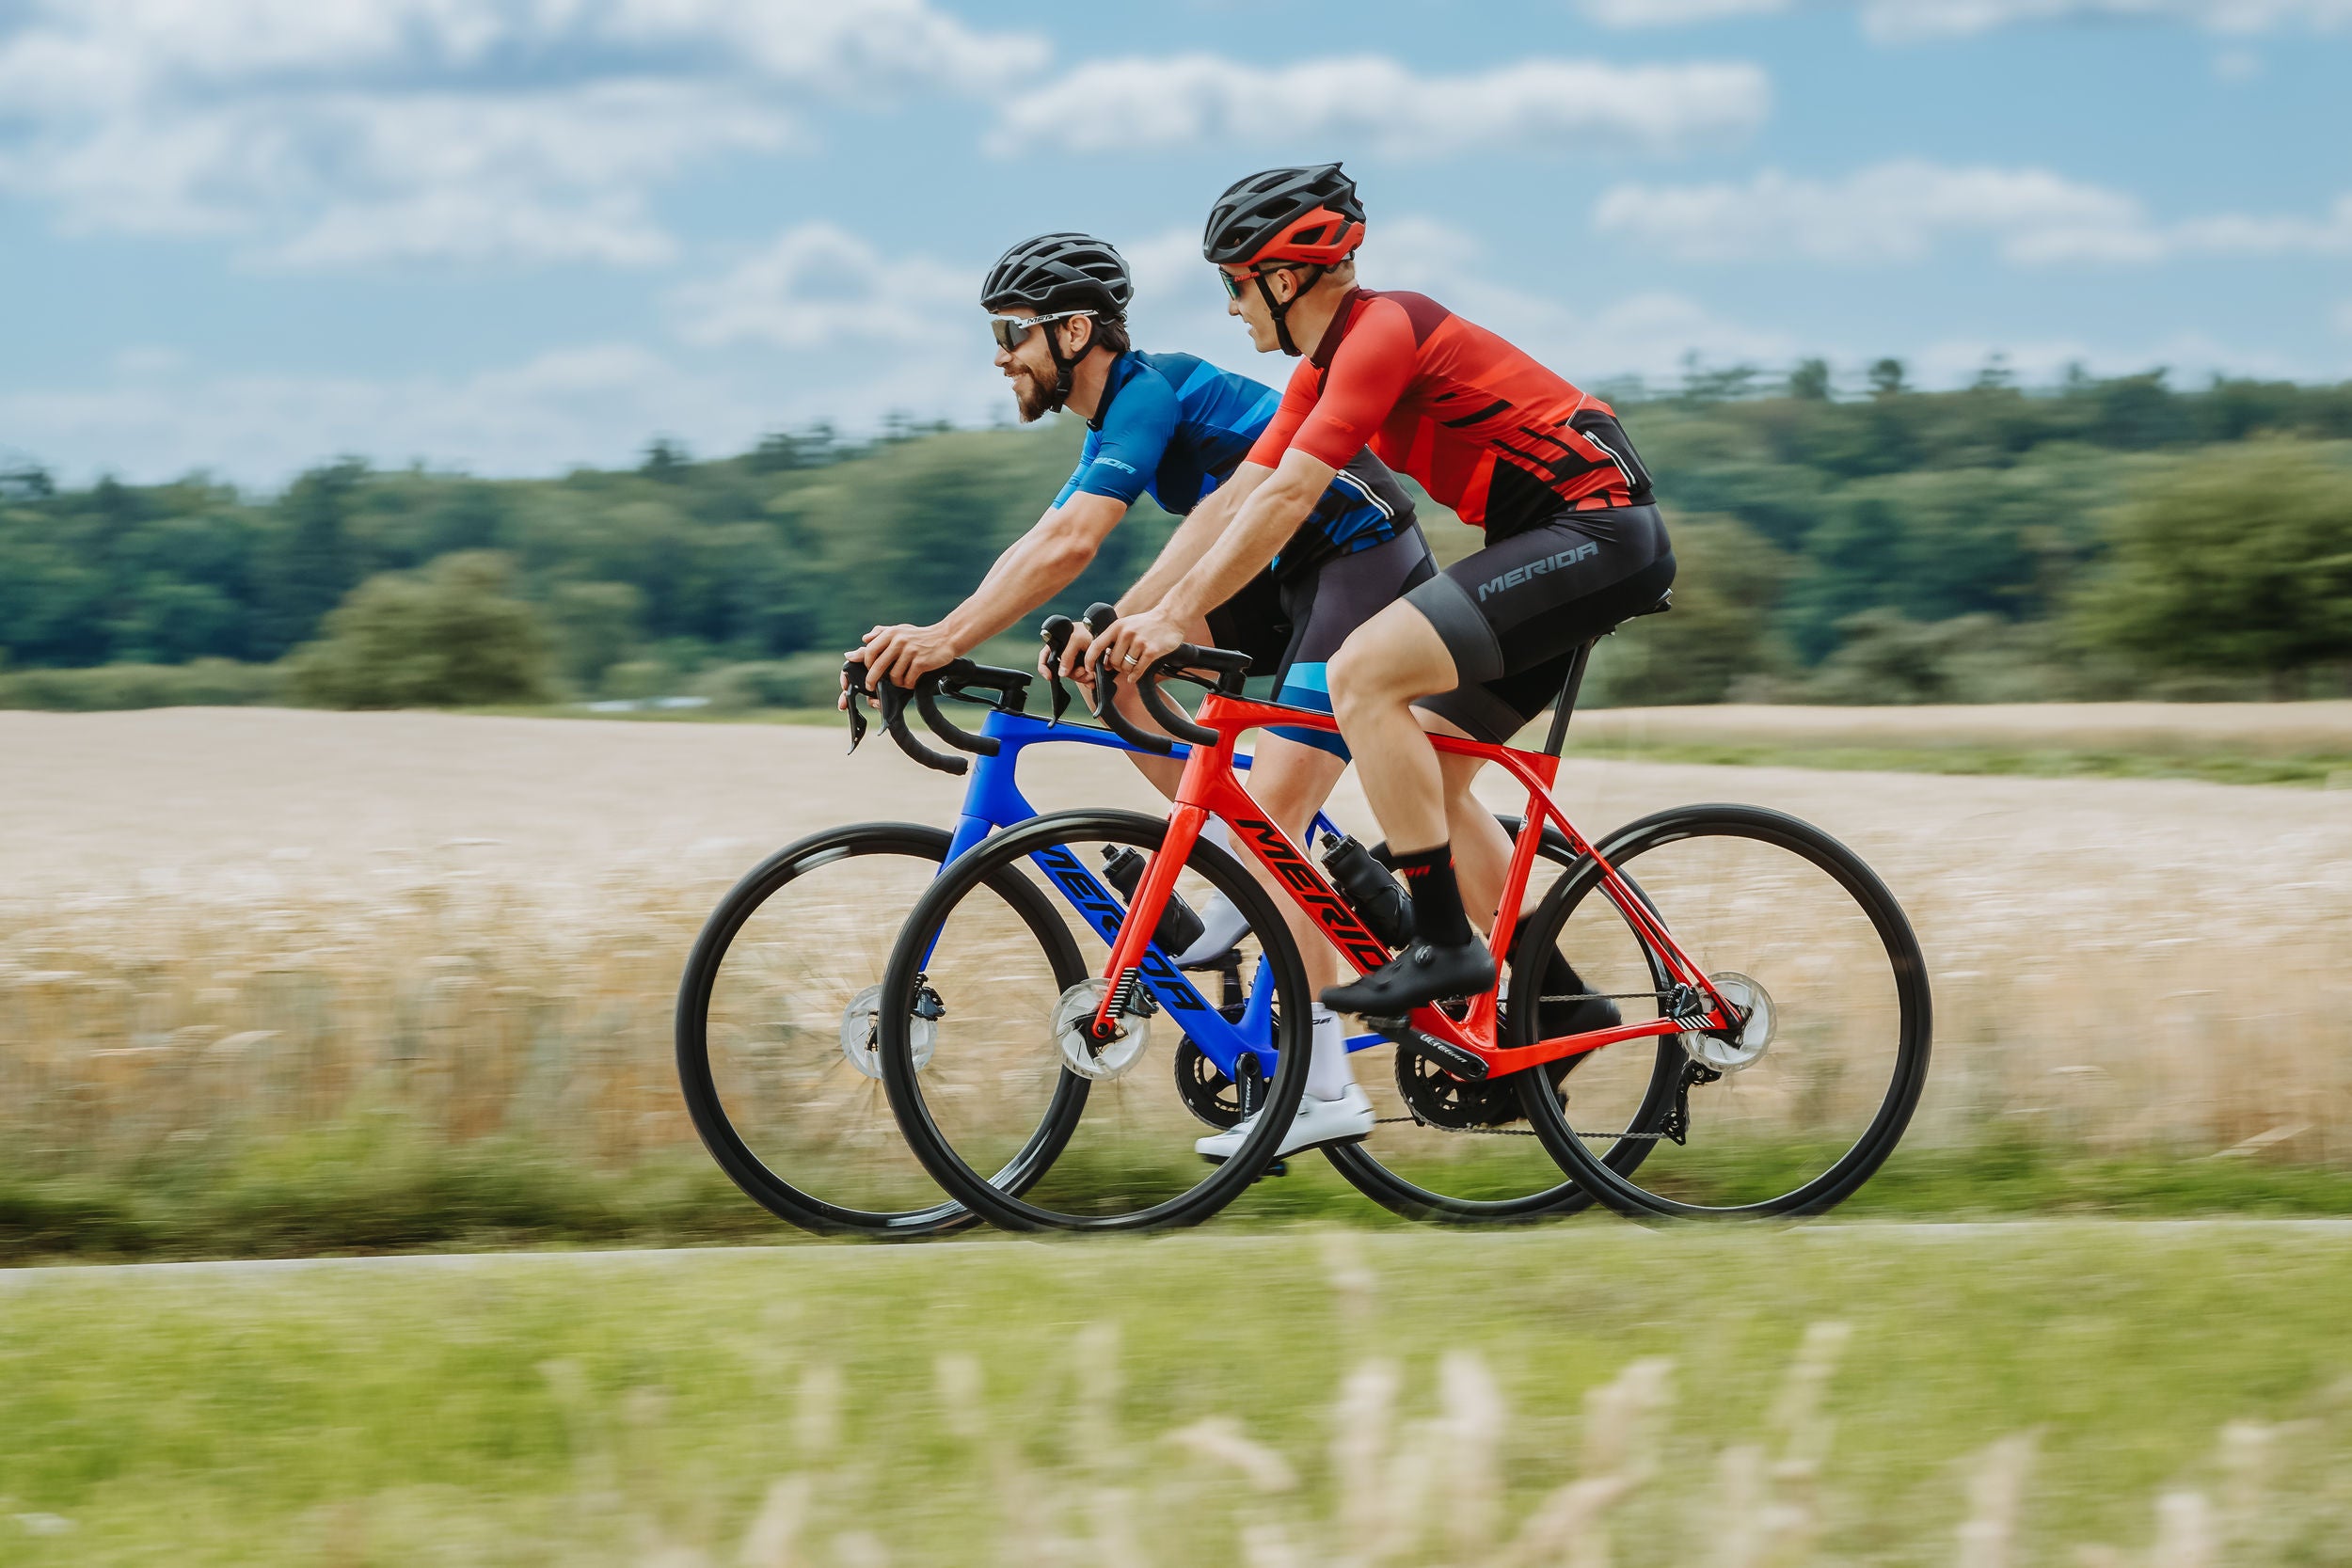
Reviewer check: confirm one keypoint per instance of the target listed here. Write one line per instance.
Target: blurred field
(1981, 1395)
(400, 979)
(2254, 743)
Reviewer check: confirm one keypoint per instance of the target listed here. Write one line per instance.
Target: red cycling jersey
(1487, 430)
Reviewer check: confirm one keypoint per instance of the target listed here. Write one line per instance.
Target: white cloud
(818, 285)
(1912, 21)
(1899, 210)
(2343, 318)
(1371, 100)
(594, 405)
(1179, 305)
(371, 130)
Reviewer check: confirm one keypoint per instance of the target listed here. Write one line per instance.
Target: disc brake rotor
(861, 1030)
(1074, 1034)
(1730, 1050)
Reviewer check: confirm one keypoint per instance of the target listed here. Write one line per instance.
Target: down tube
(1191, 1012)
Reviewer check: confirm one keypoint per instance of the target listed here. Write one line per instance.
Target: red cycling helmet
(1299, 217)
(1307, 215)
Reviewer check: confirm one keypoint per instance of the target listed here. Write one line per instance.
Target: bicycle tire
(1912, 994)
(794, 1201)
(1363, 1168)
(1006, 1207)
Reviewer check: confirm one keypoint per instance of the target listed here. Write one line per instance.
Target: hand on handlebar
(903, 654)
(1133, 644)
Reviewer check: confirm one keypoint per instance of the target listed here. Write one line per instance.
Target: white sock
(1328, 1075)
(1217, 832)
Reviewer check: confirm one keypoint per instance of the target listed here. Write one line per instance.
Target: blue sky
(518, 235)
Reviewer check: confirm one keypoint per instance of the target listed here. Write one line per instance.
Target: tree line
(2099, 537)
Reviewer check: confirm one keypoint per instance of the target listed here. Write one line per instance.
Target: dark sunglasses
(1234, 281)
(1012, 331)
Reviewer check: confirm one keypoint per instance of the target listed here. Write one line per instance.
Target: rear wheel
(1453, 1151)
(1795, 1110)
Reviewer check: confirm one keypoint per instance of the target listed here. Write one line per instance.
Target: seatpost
(1559, 735)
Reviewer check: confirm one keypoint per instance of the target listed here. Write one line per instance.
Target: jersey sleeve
(1123, 457)
(1298, 401)
(1086, 461)
(1369, 373)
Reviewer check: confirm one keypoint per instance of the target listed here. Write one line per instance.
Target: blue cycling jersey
(1174, 427)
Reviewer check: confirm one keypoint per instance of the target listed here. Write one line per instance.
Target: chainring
(1441, 1098)
(1208, 1094)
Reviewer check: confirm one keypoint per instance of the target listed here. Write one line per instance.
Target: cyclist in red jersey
(1574, 544)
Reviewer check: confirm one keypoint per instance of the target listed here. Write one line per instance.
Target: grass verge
(354, 1193)
(1000, 1402)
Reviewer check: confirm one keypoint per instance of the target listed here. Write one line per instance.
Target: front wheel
(777, 1032)
(1011, 1064)
(1794, 1111)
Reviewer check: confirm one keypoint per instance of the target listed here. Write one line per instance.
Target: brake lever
(1054, 632)
(854, 674)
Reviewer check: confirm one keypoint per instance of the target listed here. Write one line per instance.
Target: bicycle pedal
(1279, 1168)
(1453, 1058)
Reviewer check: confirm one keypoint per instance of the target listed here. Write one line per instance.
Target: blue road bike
(778, 1024)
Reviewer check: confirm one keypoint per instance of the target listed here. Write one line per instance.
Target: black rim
(725, 1144)
(1400, 1194)
(1000, 1202)
(1871, 1148)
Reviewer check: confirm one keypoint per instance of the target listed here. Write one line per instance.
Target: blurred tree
(314, 563)
(452, 635)
(2239, 563)
(596, 626)
(1719, 630)
(1886, 379)
(665, 460)
(1809, 381)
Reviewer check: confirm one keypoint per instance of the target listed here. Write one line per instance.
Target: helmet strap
(1280, 310)
(1066, 365)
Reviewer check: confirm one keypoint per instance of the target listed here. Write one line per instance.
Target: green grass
(2217, 767)
(353, 1191)
(360, 1415)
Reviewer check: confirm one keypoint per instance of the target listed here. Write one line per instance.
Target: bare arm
(1269, 516)
(1264, 523)
(1032, 569)
(1200, 530)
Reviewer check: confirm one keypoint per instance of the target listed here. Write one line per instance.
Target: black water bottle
(1180, 928)
(1379, 899)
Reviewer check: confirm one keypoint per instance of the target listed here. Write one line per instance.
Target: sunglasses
(1012, 331)
(1234, 280)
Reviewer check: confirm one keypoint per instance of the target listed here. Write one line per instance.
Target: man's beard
(1034, 397)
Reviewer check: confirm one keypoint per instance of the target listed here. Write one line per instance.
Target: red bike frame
(1209, 786)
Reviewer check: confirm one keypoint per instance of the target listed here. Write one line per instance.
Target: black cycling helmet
(1303, 217)
(1262, 218)
(1060, 272)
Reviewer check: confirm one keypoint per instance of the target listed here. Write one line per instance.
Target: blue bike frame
(994, 801)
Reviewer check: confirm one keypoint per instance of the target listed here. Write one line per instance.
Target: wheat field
(219, 925)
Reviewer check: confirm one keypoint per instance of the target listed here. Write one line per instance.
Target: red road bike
(1774, 1008)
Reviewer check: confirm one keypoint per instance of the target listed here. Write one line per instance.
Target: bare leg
(1389, 660)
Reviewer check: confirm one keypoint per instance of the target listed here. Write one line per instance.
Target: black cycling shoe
(1422, 973)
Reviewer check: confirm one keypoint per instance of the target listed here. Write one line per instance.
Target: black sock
(1438, 913)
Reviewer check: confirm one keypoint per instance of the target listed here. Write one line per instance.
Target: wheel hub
(1074, 1033)
(1743, 1045)
(861, 1030)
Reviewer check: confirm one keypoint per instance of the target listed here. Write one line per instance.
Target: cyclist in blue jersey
(1174, 427)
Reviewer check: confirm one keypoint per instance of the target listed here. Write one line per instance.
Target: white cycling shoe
(1346, 1120)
